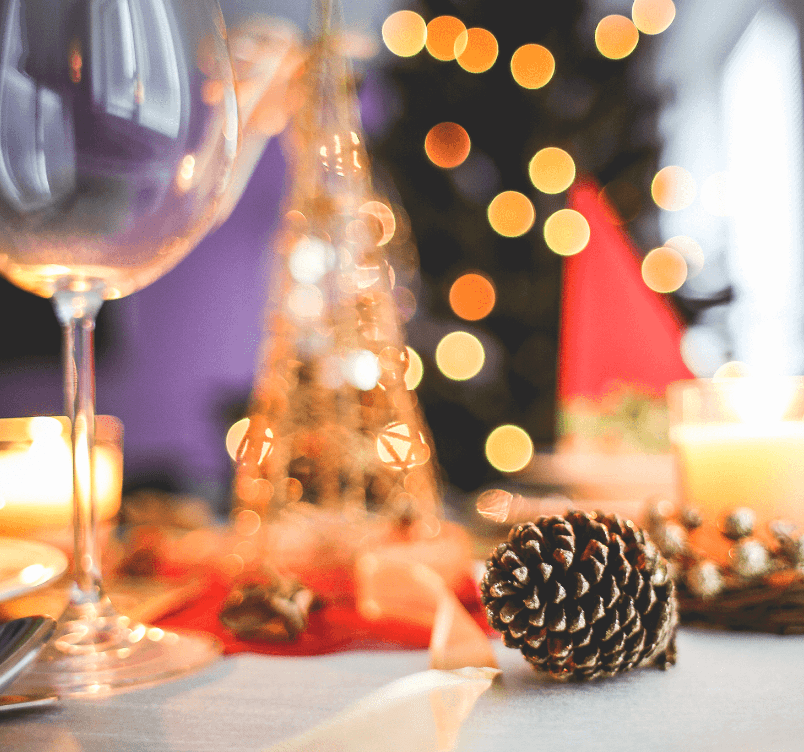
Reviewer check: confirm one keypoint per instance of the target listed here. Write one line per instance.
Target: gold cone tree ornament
(332, 425)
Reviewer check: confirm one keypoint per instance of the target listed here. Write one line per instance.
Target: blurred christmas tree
(593, 110)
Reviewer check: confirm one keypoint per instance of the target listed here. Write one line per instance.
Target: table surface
(729, 691)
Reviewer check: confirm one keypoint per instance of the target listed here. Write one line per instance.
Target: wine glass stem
(76, 312)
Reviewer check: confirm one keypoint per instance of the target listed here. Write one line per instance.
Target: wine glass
(118, 132)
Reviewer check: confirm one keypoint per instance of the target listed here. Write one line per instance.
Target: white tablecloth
(731, 692)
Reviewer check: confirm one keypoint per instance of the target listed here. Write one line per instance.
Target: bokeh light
(361, 369)
(552, 170)
(673, 188)
(404, 33)
(367, 230)
(616, 37)
(447, 145)
(532, 66)
(476, 50)
(653, 16)
(566, 232)
(442, 32)
(734, 369)
(402, 447)
(247, 522)
(413, 375)
(691, 251)
(703, 349)
(472, 296)
(235, 434)
(511, 214)
(716, 194)
(664, 269)
(305, 302)
(509, 448)
(405, 302)
(460, 356)
(310, 260)
(384, 215)
(295, 220)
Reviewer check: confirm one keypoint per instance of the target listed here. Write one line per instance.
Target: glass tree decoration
(332, 422)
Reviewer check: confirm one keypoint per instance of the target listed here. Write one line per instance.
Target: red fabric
(614, 329)
(335, 627)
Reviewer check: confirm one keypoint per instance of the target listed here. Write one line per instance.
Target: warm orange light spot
(509, 448)
(247, 522)
(236, 434)
(566, 232)
(472, 297)
(691, 251)
(76, 61)
(184, 177)
(294, 490)
(413, 375)
(460, 356)
(441, 35)
(673, 188)
(653, 16)
(532, 66)
(447, 145)
(383, 214)
(616, 37)
(366, 231)
(664, 269)
(511, 214)
(402, 447)
(404, 33)
(552, 170)
(296, 220)
(476, 50)
(393, 362)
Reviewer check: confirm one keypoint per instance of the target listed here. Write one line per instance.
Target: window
(762, 118)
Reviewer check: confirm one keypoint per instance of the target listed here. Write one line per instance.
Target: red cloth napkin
(336, 627)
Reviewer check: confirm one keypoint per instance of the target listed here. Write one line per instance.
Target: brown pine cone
(582, 596)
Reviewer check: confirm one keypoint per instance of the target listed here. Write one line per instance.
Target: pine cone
(582, 596)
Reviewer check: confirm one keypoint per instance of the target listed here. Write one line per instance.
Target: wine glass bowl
(118, 132)
(118, 135)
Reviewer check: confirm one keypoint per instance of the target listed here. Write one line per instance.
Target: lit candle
(740, 443)
(36, 486)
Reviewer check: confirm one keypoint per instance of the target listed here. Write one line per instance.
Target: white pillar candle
(36, 486)
(723, 466)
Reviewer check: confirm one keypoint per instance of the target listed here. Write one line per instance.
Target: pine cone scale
(559, 622)
(581, 585)
(536, 619)
(532, 603)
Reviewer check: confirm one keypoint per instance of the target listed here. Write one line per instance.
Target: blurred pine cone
(582, 596)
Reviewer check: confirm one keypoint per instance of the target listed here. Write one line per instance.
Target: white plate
(27, 565)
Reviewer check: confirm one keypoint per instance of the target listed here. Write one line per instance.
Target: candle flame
(758, 400)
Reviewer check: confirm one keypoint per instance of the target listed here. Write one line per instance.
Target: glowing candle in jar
(36, 479)
(740, 443)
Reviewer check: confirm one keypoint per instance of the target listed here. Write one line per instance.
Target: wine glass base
(109, 654)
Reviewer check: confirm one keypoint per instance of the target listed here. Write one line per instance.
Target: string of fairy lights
(552, 170)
